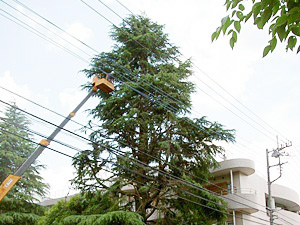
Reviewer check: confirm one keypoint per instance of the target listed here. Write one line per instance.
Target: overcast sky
(265, 90)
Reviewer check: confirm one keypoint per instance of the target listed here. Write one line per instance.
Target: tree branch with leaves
(281, 16)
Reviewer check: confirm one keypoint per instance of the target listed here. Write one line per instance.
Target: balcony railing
(239, 191)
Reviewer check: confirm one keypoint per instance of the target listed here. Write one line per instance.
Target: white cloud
(59, 184)
(20, 8)
(70, 98)
(79, 31)
(8, 82)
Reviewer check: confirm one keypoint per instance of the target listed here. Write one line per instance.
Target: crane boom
(98, 83)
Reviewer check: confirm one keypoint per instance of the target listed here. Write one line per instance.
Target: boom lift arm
(98, 83)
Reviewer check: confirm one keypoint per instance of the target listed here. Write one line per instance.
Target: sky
(258, 97)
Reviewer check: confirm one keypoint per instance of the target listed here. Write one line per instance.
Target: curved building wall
(286, 197)
(251, 190)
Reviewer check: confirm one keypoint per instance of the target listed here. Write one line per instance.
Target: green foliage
(137, 125)
(19, 212)
(14, 151)
(17, 208)
(110, 218)
(95, 208)
(283, 18)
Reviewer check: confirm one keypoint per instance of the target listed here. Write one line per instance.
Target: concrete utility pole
(277, 153)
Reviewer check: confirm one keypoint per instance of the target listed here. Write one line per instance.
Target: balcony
(245, 166)
(244, 199)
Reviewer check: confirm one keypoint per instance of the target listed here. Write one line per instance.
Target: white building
(246, 194)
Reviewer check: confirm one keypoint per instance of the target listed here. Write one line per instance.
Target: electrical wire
(210, 183)
(46, 28)
(52, 111)
(214, 81)
(46, 20)
(183, 198)
(41, 35)
(118, 152)
(193, 64)
(63, 31)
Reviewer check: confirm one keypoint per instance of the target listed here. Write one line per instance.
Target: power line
(202, 81)
(189, 193)
(76, 39)
(193, 64)
(121, 142)
(118, 152)
(215, 82)
(41, 35)
(46, 28)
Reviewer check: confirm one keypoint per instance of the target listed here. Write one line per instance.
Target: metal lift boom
(98, 83)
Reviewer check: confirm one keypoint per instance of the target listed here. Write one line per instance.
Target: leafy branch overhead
(282, 17)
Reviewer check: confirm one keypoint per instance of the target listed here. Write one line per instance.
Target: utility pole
(277, 153)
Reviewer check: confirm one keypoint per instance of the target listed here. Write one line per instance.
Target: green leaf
(228, 5)
(275, 8)
(266, 50)
(294, 18)
(266, 15)
(273, 43)
(232, 42)
(229, 32)
(224, 20)
(281, 32)
(256, 9)
(294, 10)
(298, 50)
(296, 30)
(213, 36)
(226, 24)
(234, 4)
(218, 31)
(257, 20)
(234, 36)
(233, 12)
(240, 15)
(292, 42)
(281, 20)
(248, 16)
(241, 7)
(237, 26)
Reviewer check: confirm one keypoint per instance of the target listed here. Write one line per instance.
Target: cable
(215, 82)
(139, 162)
(140, 151)
(192, 63)
(52, 111)
(145, 177)
(46, 28)
(145, 153)
(58, 27)
(36, 32)
(50, 22)
(131, 87)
